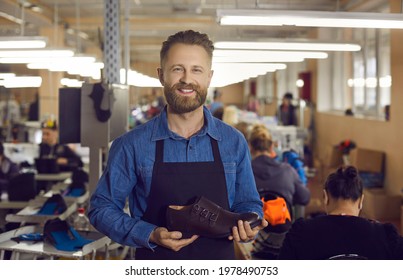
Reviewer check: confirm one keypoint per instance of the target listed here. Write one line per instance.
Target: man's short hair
(188, 37)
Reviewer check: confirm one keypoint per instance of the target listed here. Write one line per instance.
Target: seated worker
(67, 159)
(8, 169)
(273, 179)
(342, 232)
(272, 175)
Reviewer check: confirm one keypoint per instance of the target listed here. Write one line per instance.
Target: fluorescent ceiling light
(93, 73)
(22, 82)
(71, 82)
(268, 54)
(310, 18)
(62, 64)
(22, 42)
(37, 53)
(89, 70)
(254, 67)
(224, 59)
(232, 73)
(6, 75)
(47, 60)
(288, 45)
(137, 79)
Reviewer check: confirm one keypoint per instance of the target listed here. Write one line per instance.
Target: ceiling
(151, 21)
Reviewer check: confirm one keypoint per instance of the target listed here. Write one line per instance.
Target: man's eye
(177, 69)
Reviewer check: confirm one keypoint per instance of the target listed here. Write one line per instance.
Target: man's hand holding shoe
(244, 233)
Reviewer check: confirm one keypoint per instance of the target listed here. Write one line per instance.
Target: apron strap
(159, 150)
(216, 151)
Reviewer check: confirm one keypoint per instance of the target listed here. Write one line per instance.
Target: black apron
(179, 183)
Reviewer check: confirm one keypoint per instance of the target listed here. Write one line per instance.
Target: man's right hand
(170, 239)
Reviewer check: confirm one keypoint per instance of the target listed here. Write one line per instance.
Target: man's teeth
(186, 90)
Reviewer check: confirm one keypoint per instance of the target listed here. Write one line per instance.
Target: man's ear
(210, 77)
(160, 76)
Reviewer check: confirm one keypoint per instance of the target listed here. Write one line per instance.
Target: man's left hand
(243, 232)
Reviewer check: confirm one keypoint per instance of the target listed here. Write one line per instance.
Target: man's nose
(185, 78)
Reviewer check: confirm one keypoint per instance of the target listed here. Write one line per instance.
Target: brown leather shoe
(205, 218)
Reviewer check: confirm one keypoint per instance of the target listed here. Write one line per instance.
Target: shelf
(41, 248)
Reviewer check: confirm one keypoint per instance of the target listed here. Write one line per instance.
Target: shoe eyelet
(196, 209)
(213, 217)
(204, 213)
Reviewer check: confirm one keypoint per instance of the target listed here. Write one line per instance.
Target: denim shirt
(129, 172)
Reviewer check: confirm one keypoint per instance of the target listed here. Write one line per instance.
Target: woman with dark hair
(342, 233)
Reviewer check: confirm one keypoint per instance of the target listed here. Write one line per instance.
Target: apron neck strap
(216, 151)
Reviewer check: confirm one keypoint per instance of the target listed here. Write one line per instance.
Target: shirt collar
(161, 130)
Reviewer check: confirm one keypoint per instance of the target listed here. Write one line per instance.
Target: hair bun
(351, 172)
(260, 131)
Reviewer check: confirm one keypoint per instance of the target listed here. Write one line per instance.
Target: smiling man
(174, 159)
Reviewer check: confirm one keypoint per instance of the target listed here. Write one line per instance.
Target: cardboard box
(334, 157)
(378, 205)
(367, 160)
(372, 179)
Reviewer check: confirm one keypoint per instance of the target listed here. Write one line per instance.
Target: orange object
(275, 211)
(273, 154)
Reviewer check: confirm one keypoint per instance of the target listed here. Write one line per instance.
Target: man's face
(49, 136)
(286, 101)
(185, 74)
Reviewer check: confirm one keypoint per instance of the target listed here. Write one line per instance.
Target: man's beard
(181, 104)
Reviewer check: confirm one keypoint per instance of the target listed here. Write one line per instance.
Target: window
(357, 80)
(371, 72)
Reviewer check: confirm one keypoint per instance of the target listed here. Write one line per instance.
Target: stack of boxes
(368, 162)
(377, 204)
(370, 166)
(381, 206)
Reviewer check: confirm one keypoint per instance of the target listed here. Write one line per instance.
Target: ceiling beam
(12, 8)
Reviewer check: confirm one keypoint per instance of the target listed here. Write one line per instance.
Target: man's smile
(186, 91)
